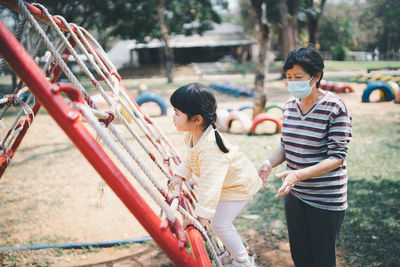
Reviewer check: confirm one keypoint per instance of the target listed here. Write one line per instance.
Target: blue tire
(388, 94)
(152, 97)
(244, 107)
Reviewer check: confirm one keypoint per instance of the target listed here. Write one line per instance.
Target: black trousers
(312, 233)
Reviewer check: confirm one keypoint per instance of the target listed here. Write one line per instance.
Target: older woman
(315, 134)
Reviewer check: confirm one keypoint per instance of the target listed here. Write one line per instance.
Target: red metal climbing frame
(47, 94)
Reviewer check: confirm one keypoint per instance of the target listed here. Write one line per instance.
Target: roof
(224, 34)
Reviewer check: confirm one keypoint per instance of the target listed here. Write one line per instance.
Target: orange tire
(265, 117)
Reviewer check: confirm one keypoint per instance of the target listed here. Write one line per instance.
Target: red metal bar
(26, 68)
(198, 249)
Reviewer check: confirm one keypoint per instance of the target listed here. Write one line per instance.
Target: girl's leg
(222, 225)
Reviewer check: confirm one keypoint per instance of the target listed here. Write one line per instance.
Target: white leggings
(222, 225)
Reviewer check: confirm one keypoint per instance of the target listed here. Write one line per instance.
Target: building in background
(226, 42)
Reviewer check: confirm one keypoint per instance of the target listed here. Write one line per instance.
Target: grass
(370, 233)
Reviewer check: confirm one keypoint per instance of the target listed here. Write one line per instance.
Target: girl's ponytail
(218, 138)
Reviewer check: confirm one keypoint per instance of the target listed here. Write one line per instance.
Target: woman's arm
(277, 158)
(292, 177)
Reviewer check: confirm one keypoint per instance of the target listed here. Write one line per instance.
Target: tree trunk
(313, 21)
(168, 51)
(260, 95)
(288, 26)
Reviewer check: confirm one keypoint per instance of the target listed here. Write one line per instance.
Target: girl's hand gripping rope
(175, 184)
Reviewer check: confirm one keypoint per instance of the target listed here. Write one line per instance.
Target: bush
(339, 52)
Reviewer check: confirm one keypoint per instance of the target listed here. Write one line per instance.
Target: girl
(226, 178)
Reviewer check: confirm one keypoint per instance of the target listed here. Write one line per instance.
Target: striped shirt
(323, 132)
(220, 176)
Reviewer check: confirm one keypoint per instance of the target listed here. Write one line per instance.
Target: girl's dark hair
(197, 99)
(306, 57)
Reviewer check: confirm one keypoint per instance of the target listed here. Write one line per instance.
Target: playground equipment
(226, 116)
(67, 39)
(370, 77)
(387, 91)
(242, 118)
(145, 97)
(235, 89)
(262, 117)
(336, 87)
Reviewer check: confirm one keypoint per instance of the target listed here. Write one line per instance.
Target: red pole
(68, 119)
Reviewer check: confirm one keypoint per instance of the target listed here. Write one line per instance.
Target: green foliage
(339, 52)
(388, 12)
(138, 18)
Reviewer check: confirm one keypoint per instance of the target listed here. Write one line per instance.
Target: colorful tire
(265, 117)
(222, 119)
(381, 86)
(343, 88)
(151, 97)
(395, 87)
(397, 98)
(322, 84)
(243, 118)
(330, 86)
(274, 105)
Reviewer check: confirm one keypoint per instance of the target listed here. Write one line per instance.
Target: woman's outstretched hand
(264, 171)
(290, 179)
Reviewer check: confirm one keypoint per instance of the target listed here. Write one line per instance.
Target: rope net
(148, 159)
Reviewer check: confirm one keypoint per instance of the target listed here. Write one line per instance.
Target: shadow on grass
(371, 230)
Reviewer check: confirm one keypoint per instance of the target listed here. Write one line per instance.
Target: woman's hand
(264, 171)
(175, 184)
(291, 178)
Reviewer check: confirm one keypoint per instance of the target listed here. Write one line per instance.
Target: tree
(263, 28)
(168, 52)
(389, 13)
(289, 37)
(313, 12)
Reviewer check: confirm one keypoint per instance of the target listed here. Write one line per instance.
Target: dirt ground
(51, 194)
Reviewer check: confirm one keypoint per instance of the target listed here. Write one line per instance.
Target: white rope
(97, 126)
(50, 46)
(73, 79)
(119, 154)
(110, 102)
(27, 110)
(115, 80)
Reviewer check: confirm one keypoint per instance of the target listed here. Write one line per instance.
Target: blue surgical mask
(300, 89)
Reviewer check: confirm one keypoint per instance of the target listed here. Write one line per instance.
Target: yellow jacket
(220, 176)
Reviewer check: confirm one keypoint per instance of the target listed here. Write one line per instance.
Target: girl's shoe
(249, 263)
(225, 258)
